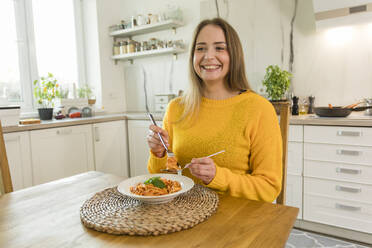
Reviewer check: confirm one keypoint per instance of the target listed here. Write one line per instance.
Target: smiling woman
(220, 112)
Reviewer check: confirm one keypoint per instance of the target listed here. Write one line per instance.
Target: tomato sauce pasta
(150, 189)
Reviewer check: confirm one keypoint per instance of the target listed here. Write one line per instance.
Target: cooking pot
(337, 111)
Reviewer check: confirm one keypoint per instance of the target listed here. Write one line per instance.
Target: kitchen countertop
(81, 121)
(355, 119)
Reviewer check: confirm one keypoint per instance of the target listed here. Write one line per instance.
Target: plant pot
(276, 104)
(45, 113)
(91, 101)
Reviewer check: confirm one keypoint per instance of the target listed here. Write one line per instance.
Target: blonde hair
(235, 79)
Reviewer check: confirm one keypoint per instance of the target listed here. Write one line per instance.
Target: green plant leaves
(46, 91)
(156, 181)
(276, 81)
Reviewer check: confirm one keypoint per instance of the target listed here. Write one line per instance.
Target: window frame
(27, 51)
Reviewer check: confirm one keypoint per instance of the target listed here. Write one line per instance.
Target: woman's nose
(209, 53)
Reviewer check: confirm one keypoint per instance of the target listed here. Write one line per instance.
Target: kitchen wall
(334, 67)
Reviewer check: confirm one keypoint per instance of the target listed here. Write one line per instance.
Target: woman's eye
(200, 49)
(220, 48)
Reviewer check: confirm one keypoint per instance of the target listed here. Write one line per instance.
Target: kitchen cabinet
(295, 168)
(61, 152)
(138, 148)
(18, 151)
(338, 176)
(110, 147)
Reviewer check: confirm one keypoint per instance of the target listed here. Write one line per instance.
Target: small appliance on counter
(162, 100)
(368, 103)
(9, 115)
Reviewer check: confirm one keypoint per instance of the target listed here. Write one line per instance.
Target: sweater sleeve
(263, 183)
(155, 164)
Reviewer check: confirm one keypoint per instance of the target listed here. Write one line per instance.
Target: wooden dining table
(48, 215)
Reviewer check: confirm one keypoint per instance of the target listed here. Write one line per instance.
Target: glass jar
(131, 47)
(145, 46)
(123, 47)
(153, 43)
(116, 49)
(138, 46)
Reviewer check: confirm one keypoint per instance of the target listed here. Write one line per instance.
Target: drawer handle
(347, 207)
(349, 133)
(96, 134)
(348, 171)
(348, 152)
(64, 132)
(348, 189)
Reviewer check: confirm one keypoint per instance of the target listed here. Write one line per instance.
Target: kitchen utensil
(311, 105)
(169, 152)
(337, 111)
(179, 172)
(295, 105)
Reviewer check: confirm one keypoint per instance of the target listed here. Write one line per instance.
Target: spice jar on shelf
(138, 46)
(131, 46)
(123, 47)
(145, 46)
(116, 48)
(153, 43)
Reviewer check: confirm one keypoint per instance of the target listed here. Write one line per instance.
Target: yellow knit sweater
(247, 128)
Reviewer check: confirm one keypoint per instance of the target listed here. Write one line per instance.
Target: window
(41, 36)
(10, 86)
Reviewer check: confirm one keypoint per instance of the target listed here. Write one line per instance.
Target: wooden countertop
(355, 119)
(47, 215)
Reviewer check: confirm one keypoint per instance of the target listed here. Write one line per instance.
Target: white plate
(124, 187)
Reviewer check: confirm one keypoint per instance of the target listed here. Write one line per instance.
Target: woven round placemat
(111, 212)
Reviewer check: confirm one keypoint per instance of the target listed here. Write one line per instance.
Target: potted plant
(86, 92)
(46, 91)
(277, 82)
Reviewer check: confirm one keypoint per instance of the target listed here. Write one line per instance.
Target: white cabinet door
(138, 148)
(61, 152)
(110, 146)
(294, 193)
(18, 151)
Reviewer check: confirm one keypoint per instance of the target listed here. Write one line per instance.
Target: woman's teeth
(210, 67)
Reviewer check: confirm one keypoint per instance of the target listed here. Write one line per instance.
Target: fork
(169, 152)
(179, 172)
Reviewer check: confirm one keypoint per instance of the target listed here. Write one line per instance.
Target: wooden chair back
(4, 166)
(284, 113)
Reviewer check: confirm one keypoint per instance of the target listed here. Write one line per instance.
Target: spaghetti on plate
(156, 186)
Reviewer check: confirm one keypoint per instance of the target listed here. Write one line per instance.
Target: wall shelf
(148, 28)
(150, 53)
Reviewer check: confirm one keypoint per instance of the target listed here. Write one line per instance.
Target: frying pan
(337, 111)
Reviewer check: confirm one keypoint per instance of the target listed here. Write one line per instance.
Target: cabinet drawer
(341, 213)
(338, 135)
(296, 133)
(338, 153)
(160, 107)
(338, 171)
(294, 193)
(295, 158)
(163, 98)
(338, 190)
